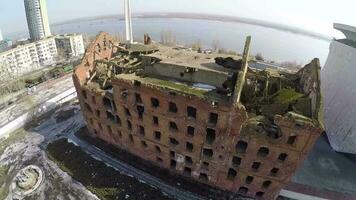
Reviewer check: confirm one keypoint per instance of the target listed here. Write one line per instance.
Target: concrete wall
(339, 88)
(178, 72)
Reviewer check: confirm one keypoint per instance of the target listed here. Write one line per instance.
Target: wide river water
(273, 44)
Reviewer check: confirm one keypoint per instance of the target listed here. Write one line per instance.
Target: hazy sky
(314, 15)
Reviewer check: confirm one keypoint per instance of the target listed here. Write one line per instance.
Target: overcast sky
(314, 15)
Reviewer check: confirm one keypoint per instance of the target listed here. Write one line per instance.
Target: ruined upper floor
(219, 79)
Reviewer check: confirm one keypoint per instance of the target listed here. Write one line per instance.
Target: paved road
(44, 92)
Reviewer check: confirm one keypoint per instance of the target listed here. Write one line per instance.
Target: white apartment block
(47, 51)
(37, 19)
(27, 58)
(18, 61)
(70, 45)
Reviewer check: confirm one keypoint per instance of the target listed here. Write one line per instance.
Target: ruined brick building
(202, 115)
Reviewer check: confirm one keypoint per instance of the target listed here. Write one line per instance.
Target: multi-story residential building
(47, 51)
(241, 130)
(41, 53)
(18, 61)
(70, 45)
(338, 85)
(37, 19)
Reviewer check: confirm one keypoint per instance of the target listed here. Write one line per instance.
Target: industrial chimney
(128, 22)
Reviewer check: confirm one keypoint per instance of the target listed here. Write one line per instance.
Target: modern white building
(70, 45)
(37, 19)
(339, 88)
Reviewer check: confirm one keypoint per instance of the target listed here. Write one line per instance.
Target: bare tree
(196, 46)
(259, 57)
(216, 45)
(168, 38)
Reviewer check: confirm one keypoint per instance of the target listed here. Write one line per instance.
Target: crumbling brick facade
(216, 143)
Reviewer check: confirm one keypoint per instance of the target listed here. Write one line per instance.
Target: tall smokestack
(128, 22)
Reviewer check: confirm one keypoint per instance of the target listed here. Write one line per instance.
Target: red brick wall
(227, 133)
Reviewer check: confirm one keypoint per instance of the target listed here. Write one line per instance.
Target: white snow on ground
(29, 150)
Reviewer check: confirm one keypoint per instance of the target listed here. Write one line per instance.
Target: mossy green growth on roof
(140, 48)
(286, 96)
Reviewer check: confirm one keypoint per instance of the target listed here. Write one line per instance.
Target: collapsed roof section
(212, 77)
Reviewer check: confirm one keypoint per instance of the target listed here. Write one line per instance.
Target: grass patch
(103, 181)
(163, 174)
(3, 189)
(286, 96)
(11, 139)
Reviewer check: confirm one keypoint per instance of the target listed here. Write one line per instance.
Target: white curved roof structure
(348, 31)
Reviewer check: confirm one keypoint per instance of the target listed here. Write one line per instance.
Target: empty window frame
(263, 152)
(259, 194)
(282, 157)
(203, 177)
(274, 172)
(173, 126)
(231, 174)
(144, 144)
(213, 118)
(173, 141)
(110, 116)
(173, 164)
(187, 171)
(158, 149)
(248, 179)
(208, 153)
(154, 102)
(88, 108)
(140, 111)
(256, 166)
(107, 103)
(291, 140)
(159, 160)
(241, 147)
(205, 166)
(188, 160)
(155, 120)
(141, 130)
(189, 147)
(210, 136)
(190, 131)
(118, 120)
(131, 138)
(127, 112)
(138, 98)
(129, 125)
(173, 107)
(243, 190)
(84, 93)
(236, 161)
(266, 184)
(158, 135)
(191, 112)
